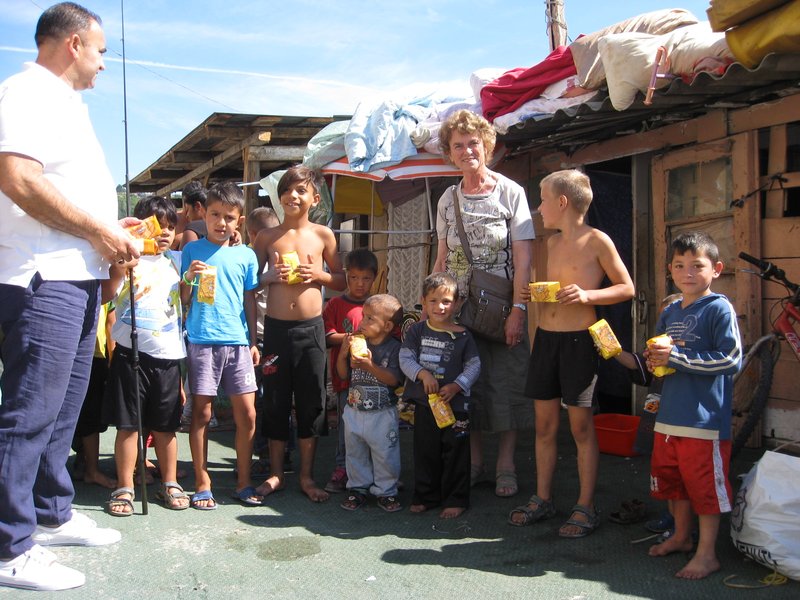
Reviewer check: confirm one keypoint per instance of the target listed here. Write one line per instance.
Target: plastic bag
(765, 522)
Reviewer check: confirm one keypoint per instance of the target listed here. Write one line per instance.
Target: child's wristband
(186, 280)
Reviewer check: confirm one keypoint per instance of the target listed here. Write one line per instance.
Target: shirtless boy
(294, 334)
(563, 362)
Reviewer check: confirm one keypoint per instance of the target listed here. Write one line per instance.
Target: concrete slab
(294, 548)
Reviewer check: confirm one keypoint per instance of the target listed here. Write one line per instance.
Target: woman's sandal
(544, 510)
(354, 501)
(584, 527)
(169, 495)
(506, 480)
(117, 501)
(630, 511)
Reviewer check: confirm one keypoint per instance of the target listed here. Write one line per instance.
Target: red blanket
(515, 87)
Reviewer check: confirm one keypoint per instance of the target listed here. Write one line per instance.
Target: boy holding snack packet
(370, 359)
(220, 280)
(692, 443)
(156, 282)
(294, 334)
(342, 316)
(563, 363)
(440, 357)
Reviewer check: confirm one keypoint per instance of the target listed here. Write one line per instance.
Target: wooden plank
(746, 230)
(776, 196)
(764, 114)
(277, 153)
(660, 233)
(204, 171)
(780, 238)
(678, 134)
(791, 180)
(786, 377)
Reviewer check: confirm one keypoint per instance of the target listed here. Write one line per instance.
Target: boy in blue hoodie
(692, 444)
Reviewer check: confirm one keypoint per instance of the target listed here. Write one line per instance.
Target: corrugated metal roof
(572, 128)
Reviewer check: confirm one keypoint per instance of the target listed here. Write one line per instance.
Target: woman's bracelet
(186, 280)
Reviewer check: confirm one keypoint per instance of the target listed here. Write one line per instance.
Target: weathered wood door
(708, 187)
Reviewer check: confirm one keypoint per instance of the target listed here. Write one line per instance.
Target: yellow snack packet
(658, 340)
(207, 286)
(441, 411)
(146, 246)
(358, 347)
(293, 260)
(604, 339)
(544, 291)
(148, 228)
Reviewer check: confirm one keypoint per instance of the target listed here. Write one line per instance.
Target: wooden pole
(556, 23)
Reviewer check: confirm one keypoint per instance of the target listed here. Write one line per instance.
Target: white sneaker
(80, 530)
(38, 569)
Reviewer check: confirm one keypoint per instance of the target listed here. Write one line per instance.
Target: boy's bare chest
(304, 243)
(572, 263)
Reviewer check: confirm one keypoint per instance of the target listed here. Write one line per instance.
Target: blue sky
(189, 58)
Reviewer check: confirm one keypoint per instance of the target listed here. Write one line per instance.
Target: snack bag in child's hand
(658, 340)
(148, 228)
(604, 339)
(146, 246)
(544, 291)
(291, 259)
(441, 411)
(207, 286)
(358, 347)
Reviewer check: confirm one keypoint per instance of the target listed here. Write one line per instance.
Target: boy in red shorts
(692, 445)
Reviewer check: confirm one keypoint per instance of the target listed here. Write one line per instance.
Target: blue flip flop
(245, 496)
(203, 495)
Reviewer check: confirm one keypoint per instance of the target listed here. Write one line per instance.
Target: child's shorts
(294, 370)
(685, 468)
(210, 365)
(159, 392)
(563, 365)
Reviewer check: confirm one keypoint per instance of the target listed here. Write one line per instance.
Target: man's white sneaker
(80, 530)
(38, 569)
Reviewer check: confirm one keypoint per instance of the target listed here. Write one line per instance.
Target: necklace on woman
(485, 186)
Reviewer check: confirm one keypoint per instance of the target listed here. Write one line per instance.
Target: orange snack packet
(604, 339)
(441, 411)
(208, 284)
(358, 347)
(544, 291)
(149, 228)
(293, 260)
(657, 340)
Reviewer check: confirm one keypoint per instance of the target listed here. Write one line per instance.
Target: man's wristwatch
(523, 307)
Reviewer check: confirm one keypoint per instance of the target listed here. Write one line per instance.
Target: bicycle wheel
(751, 390)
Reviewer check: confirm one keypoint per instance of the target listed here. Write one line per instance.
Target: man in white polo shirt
(58, 234)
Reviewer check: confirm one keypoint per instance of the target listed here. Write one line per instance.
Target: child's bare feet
(271, 485)
(417, 508)
(452, 512)
(671, 545)
(699, 567)
(99, 478)
(313, 491)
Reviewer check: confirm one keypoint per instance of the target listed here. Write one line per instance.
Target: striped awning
(414, 167)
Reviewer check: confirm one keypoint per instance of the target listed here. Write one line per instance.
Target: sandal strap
(115, 495)
(590, 513)
(169, 488)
